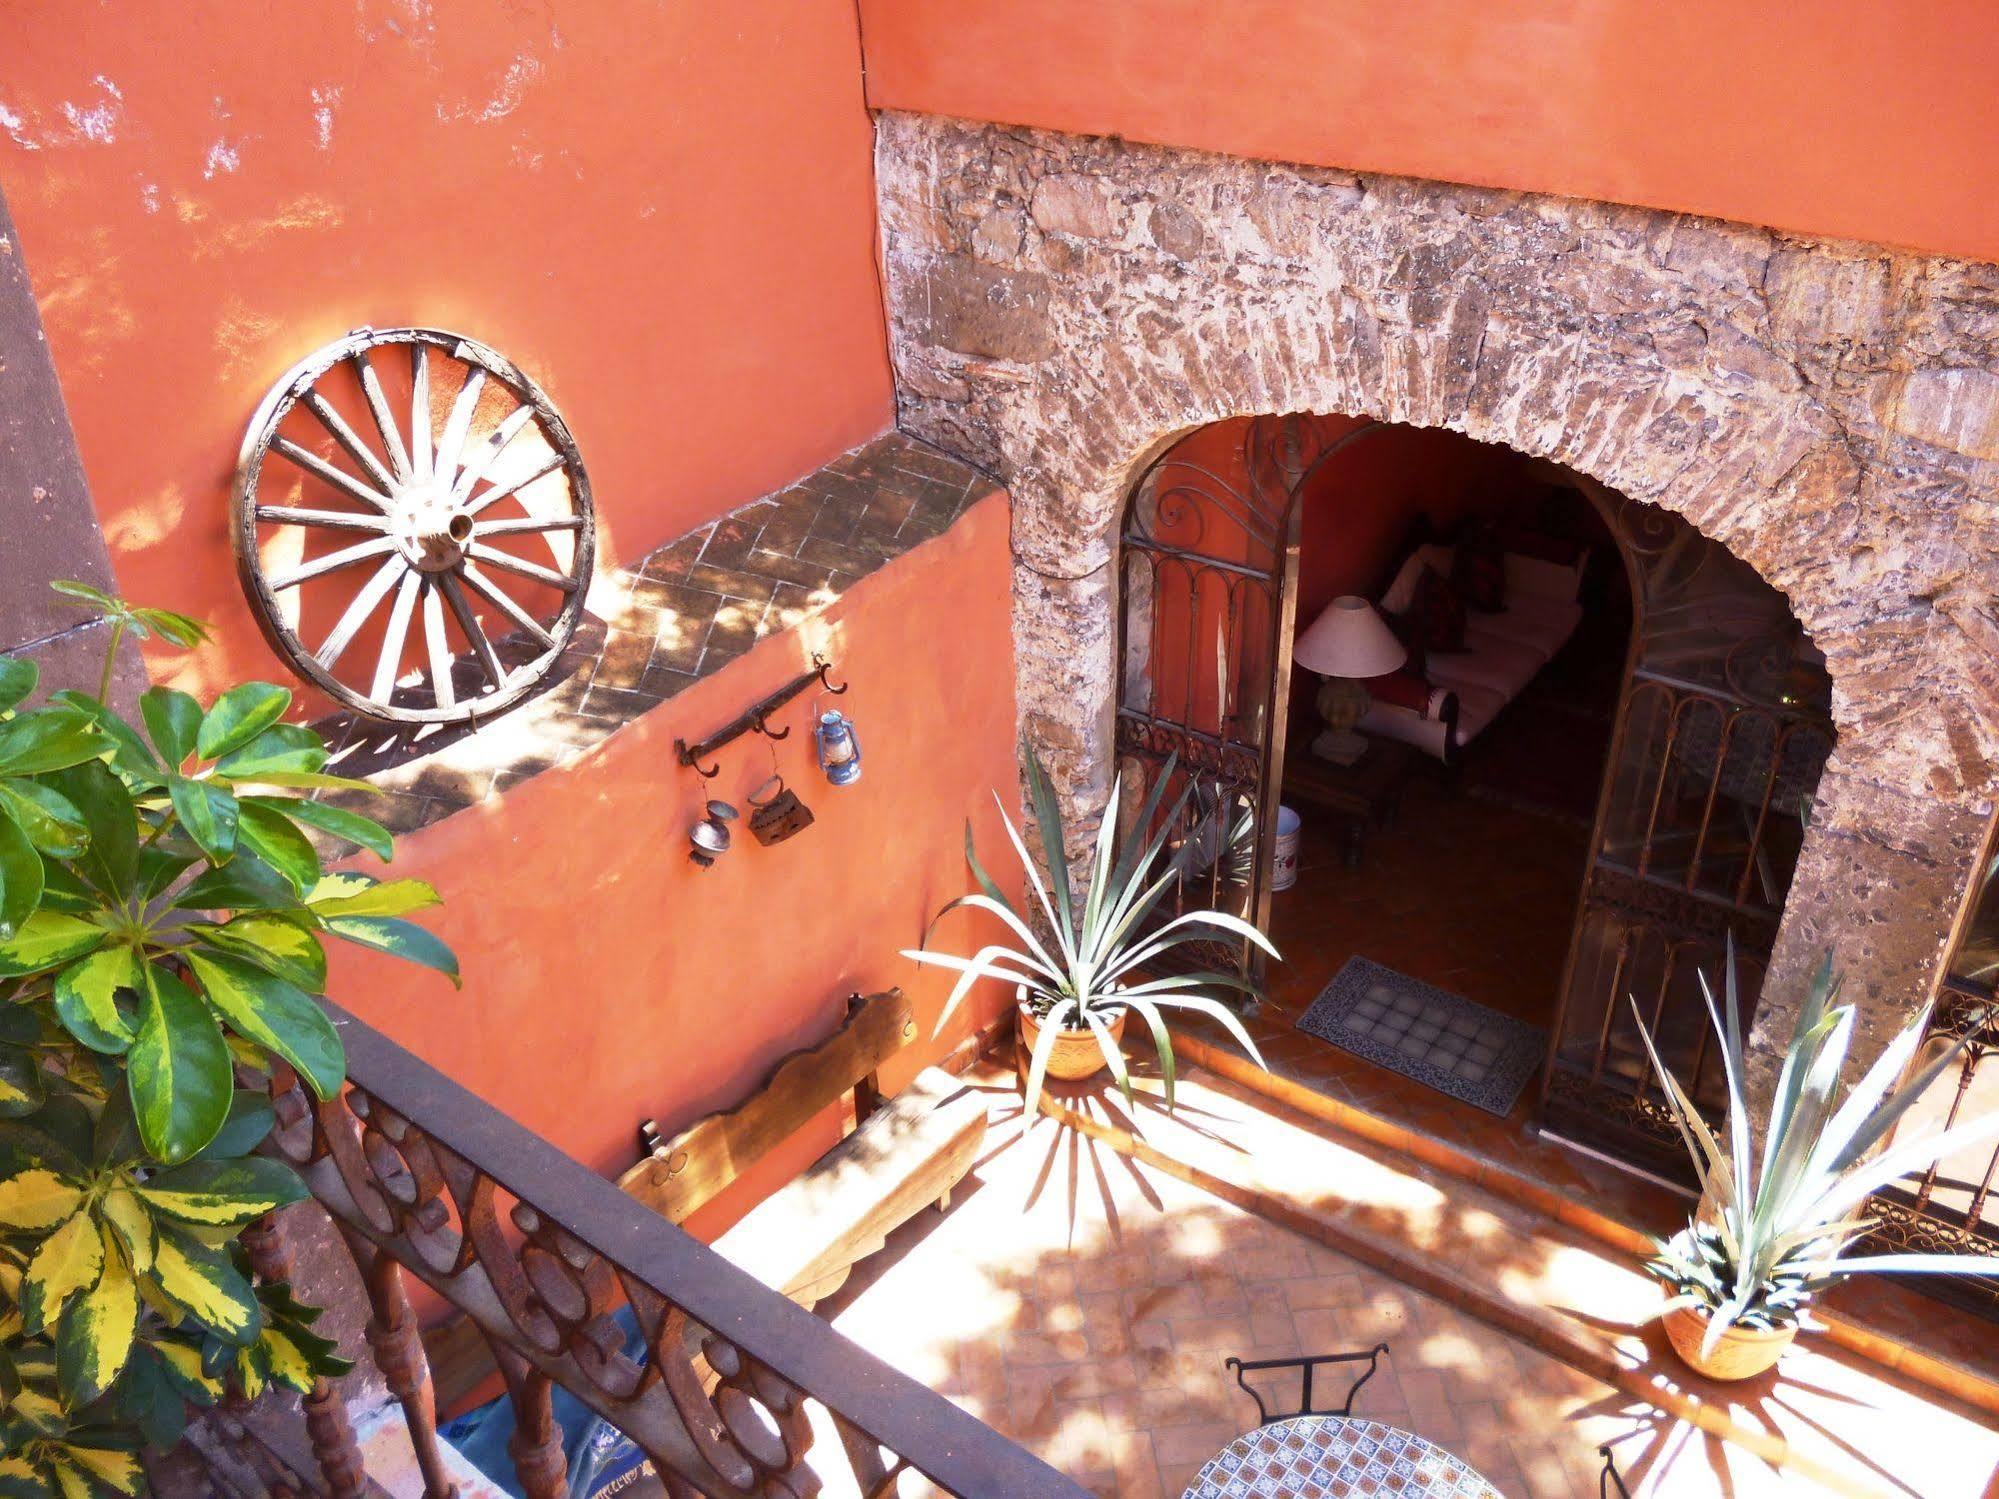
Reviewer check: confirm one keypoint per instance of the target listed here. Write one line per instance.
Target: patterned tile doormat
(1442, 1040)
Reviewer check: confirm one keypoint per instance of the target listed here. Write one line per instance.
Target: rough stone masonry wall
(1062, 306)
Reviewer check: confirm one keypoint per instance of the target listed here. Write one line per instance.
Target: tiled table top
(666, 619)
(1331, 1457)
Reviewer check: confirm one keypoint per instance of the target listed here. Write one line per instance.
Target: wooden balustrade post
(326, 1425)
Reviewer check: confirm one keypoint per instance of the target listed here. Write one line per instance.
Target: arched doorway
(1717, 724)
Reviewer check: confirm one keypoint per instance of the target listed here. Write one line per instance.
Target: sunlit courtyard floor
(1082, 1303)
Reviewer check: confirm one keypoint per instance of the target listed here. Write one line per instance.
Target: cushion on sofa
(1531, 577)
(1404, 688)
(1491, 662)
(1401, 594)
(1541, 625)
(1478, 572)
(1439, 614)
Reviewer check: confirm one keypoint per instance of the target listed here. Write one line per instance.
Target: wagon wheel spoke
(420, 433)
(529, 524)
(498, 492)
(359, 608)
(436, 648)
(333, 520)
(490, 449)
(378, 408)
(451, 446)
(332, 562)
(317, 466)
(349, 439)
(387, 664)
(454, 595)
(507, 562)
(498, 598)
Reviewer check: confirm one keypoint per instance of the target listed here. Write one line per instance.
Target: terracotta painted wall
(663, 213)
(608, 980)
(1852, 118)
(1359, 507)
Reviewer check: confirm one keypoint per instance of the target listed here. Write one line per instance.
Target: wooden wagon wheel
(420, 523)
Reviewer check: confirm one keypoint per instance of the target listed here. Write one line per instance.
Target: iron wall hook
(762, 726)
(692, 758)
(822, 667)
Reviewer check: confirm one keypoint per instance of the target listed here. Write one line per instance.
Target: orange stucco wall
(1853, 118)
(608, 980)
(663, 213)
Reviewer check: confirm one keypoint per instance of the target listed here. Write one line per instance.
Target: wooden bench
(903, 1154)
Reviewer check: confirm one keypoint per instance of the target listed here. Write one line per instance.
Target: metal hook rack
(756, 719)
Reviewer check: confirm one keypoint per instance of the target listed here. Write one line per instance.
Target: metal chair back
(1610, 1480)
(1308, 1365)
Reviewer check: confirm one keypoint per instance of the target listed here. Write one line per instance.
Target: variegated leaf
(129, 1220)
(67, 1263)
(222, 1194)
(94, 1339)
(207, 1287)
(183, 1366)
(119, 1470)
(40, 1185)
(86, 998)
(345, 893)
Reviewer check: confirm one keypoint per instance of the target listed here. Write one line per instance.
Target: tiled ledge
(680, 613)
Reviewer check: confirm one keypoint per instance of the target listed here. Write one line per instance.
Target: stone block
(1078, 205)
(972, 308)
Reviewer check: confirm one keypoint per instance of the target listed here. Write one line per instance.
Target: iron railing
(540, 1254)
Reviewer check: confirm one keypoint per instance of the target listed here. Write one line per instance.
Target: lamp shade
(1349, 640)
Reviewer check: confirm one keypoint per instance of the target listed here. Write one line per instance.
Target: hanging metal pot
(709, 838)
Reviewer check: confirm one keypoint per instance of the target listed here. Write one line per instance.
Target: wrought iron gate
(1952, 1208)
(1209, 564)
(1722, 732)
(1723, 729)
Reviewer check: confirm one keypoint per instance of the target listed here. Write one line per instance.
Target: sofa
(1460, 693)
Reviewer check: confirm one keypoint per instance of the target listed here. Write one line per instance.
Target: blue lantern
(839, 747)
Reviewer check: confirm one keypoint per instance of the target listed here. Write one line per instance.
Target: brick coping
(662, 622)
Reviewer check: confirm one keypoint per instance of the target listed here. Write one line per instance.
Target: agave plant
(1769, 1235)
(1090, 967)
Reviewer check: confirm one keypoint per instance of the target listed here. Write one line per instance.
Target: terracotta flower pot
(1742, 1352)
(1076, 1054)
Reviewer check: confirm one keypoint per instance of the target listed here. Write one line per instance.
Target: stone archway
(1061, 306)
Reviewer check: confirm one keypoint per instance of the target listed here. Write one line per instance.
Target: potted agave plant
(1076, 987)
(1770, 1234)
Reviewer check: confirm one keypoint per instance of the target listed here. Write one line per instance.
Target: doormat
(1440, 1039)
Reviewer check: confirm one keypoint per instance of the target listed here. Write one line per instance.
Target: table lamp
(1346, 644)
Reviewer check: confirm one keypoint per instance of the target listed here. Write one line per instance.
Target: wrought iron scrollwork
(514, 1235)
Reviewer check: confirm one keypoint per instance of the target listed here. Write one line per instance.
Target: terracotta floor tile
(984, 1305)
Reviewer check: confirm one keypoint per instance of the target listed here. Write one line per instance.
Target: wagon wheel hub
(432, 529)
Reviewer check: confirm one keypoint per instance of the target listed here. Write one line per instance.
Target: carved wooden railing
(423, 1178)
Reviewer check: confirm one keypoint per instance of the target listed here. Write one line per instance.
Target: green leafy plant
(1100, 939)
(163, 914)
(1769, 1235)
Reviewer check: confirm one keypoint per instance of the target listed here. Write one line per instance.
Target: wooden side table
(1362, 795)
